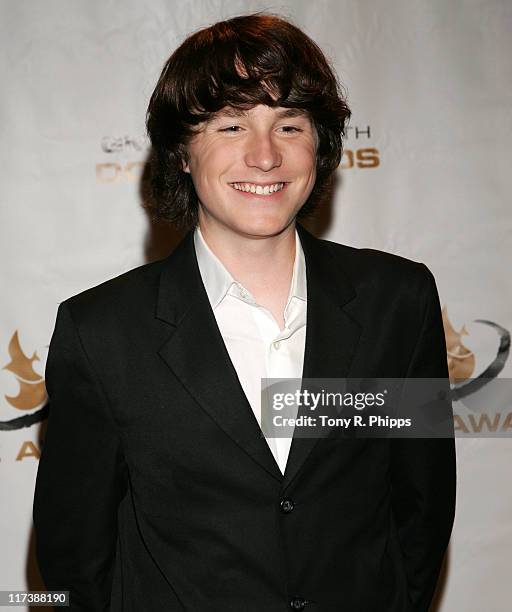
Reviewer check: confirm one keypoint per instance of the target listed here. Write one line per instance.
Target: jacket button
(297, 603)
(287, 506)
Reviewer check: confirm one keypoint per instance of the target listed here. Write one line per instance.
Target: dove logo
(31, 388)
(462, 361)
(486, 413)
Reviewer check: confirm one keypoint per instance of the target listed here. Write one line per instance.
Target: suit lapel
(331, 334)
(196, 353)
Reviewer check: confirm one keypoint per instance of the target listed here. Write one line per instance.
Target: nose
(262, 152)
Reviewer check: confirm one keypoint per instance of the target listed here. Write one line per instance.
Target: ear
(183, 153)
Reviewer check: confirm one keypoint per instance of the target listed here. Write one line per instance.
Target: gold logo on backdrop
(32, 391)
(461, 360)
(360, 158)
(114, 172)
(481, 419)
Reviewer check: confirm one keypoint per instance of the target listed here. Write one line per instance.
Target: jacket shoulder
(123, 295)
(364, 265)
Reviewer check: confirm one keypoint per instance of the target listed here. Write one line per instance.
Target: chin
(265, 227)
(275, 219)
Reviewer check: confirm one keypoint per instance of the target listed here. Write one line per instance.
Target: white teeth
(258, 189)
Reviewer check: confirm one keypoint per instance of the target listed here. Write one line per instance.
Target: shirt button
(287, 505)
(276, 344)
(297, 603)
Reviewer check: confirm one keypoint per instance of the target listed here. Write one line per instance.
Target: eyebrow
(292, 112)
(240, 112)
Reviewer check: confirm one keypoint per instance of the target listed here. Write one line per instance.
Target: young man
(156, 490)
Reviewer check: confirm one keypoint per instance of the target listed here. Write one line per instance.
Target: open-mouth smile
(258, 188)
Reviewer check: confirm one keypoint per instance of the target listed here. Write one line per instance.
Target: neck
(264, 266)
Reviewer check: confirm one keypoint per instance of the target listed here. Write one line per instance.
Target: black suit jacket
(156, 491)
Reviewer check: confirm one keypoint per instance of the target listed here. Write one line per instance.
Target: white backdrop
(426, 175)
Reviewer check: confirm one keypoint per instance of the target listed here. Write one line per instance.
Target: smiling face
(252, 170)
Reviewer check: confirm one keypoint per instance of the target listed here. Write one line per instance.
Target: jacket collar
(181, 277)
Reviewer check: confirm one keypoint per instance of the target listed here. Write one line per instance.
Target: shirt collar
(218, 281)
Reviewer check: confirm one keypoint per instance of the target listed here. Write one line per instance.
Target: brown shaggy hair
(244, 61)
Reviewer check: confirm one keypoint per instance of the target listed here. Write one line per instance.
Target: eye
(290, 129)
(231, 129)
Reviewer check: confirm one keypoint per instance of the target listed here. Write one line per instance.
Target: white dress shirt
(257, 347)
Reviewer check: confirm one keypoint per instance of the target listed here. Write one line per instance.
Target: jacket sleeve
(81, 477)
(423, 470)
